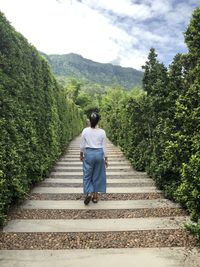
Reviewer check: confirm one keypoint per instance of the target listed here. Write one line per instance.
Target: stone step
(109, 146)
(111, 181)
(113, 156)
(79, 163)
(109, 173)
(113, 185)
(80, 168)
(109, 153)
(70, 190)
(96, 225)
(111, 177)
(76, 159)
(77, 145)
(110, 149)
(77, 149)
(123, 257)
(73, 150)
(102, 205)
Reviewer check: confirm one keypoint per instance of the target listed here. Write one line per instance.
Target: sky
(120, 32)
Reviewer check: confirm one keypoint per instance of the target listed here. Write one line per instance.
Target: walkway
(132, 225)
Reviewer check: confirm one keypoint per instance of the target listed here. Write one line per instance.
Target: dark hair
(94, 119)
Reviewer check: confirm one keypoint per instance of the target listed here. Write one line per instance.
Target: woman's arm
(105, 149)
(82, 147)
(81, 156)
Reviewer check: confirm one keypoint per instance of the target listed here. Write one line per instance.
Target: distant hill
(90, 72)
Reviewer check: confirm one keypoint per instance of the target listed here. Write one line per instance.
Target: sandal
(87, 199)
(95, 198)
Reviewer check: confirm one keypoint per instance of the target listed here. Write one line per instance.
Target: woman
(94, 156)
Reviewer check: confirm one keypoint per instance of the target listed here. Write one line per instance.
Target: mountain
(90, 72)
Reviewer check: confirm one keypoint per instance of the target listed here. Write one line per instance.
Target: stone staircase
(131, 225)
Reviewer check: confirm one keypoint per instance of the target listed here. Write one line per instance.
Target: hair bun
(93, 115)
(94, 118)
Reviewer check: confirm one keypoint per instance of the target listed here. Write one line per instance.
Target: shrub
(36, 119)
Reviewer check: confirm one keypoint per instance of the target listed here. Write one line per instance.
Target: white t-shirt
(93, 138)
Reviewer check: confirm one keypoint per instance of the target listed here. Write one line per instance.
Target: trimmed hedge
(36, 119)
(159, 130)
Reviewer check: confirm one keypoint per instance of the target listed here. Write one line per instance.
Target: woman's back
(93, 137)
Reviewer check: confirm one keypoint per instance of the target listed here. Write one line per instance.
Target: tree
(192, 36)
(150, 71)
(160, 131)
(72, 89)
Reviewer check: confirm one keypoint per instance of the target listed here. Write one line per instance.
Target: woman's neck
(96, 127)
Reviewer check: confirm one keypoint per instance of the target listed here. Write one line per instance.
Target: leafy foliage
(87, 102)
(160, 131)
(36, 119)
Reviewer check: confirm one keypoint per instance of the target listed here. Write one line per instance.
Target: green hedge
(159, 130)
(36, 119)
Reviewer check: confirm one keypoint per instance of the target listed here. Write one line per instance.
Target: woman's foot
(95, 198)
(87, 199)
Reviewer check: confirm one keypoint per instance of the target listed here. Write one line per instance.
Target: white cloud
(104, 31)
(62, 28)
(122, 8)
(160, 7)
(181, 14)
(136, 58)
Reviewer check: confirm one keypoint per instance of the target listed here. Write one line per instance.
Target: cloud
(122, 8)
(121, 32)
(137, 10)
(160, 25)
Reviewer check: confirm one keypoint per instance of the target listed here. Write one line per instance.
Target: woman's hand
(106, 162)
(81, 156)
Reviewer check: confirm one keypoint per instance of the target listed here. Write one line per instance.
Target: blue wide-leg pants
(94, 172)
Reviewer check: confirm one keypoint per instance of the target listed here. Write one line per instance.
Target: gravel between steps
(94, 214)
(107, 196)
(130, 239)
